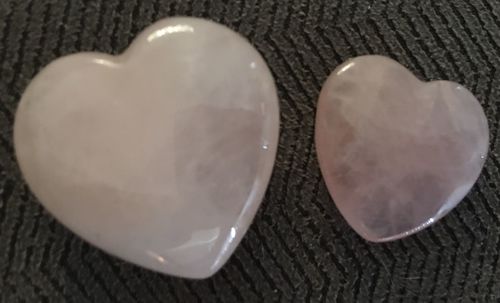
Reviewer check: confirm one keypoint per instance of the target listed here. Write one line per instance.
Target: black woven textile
(299, 249)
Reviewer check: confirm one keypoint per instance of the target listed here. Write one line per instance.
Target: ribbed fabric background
(299, 249)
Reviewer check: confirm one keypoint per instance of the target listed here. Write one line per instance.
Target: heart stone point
(159, 156)
(396, 153)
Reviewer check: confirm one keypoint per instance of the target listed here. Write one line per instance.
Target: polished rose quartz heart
(396, 153)
(161, 155)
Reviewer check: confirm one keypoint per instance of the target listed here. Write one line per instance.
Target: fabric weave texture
(299, 248)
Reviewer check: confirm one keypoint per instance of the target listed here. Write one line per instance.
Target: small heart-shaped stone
(161, 155)
(396, 153)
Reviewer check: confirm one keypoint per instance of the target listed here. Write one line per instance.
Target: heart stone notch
(396, 153)
(161, 155)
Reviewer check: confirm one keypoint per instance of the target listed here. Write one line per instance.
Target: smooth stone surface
(396, 153)
(160, 156)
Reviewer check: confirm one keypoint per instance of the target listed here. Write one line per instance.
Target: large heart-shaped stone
(396, 153)
(161, 155)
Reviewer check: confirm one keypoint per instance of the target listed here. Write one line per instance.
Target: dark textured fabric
(299, 249)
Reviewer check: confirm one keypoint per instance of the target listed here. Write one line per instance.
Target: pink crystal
(396, 153)
(159, 156)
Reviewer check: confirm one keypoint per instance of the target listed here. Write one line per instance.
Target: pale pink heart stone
(396, 153)
(161, 155)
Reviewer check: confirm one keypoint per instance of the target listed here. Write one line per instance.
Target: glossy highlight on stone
(161, 155)
(397, 154)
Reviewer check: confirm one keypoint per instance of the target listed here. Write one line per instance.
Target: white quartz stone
(161, 155)
(396, 153)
